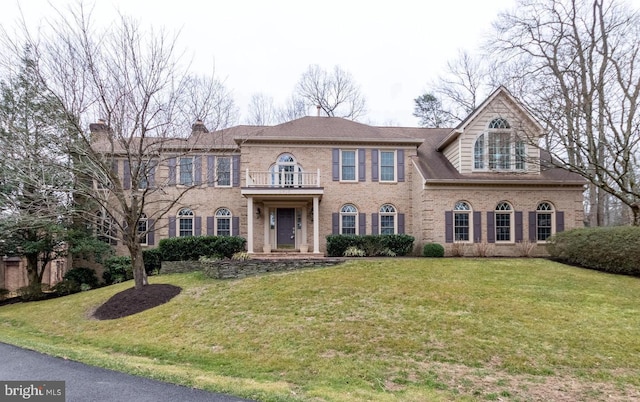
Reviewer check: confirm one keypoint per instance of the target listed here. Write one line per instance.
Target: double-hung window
(544, 221)
(186, 171)
(388, 219)
(223, 222)
(223, 171)
(185, 222)
(348, 163)
(503, 222)
(461, 221)
(387, 166)
(348, 218)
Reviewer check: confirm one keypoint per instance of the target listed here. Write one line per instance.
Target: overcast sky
(391, 48)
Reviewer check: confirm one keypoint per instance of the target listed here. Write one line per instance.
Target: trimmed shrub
(66, 287)
(3, 293)
(82, 275)
(117, 269)
(31, 293)
(609, 249)
(193, 247)
(152, 260)
(433, 250)
(372, 245)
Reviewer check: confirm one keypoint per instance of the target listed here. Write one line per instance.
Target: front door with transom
(286, 227)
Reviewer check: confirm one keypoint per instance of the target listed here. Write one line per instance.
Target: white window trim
(354, 214)
(395, 165)
(179, 171)
(513, 140)
(395, 218)
(552, 211)
(217, 217)
(468, 212)
(179, 217)
(512, 223)
(355, 178)
(217, 178)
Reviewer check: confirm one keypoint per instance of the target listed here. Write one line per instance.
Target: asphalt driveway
(85, 383)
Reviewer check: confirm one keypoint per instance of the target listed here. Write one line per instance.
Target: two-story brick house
(287, 187)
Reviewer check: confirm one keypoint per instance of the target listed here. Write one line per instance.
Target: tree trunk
(137, 263)
(635, 209)
(32, 269)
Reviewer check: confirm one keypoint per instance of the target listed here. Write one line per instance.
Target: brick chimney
(98, 127)
(199, 127)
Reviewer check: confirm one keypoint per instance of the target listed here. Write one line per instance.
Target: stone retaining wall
(233, 269)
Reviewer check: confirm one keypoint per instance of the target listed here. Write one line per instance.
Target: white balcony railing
(283, 179)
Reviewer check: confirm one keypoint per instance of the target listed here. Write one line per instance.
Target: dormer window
(499, 148)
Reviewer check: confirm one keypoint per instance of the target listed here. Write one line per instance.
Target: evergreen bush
(82, 275)
(433, 250)
(372, 245)
(193, 247)
(609, 249)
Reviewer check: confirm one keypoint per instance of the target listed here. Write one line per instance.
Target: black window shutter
(211, 160)
(448, 226)
(362, 222)
(197, 165)
(559, 221)
(172, 226)
(198, 225)
(374, 165)
(126, 175)
(533, 235)
(335, 223)
(151, 235)
(335, 164)
(210, 226)
(235, 161)
(172, 171)
(491, 227)
(519, 228)
(362, 174)
(401, 165)
(374, 224)
(400, 224)
(477, 227)
(235, 226)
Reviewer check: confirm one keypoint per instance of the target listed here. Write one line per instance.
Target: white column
(316, 225)
(266, 216)
(304, 231)
(250, 225)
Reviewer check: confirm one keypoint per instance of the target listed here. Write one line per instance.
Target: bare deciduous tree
(262, 111)
(134, 80)
(336, 93)
(582, 60)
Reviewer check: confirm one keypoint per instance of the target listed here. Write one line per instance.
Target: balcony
(282, 183)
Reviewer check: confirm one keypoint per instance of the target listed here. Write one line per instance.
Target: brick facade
(288, 189)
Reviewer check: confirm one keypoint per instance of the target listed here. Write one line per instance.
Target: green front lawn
(387, 329)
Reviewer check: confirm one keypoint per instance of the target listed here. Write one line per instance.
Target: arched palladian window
(544, 221)
(388, 221)
(348, 219)
(504, 222)
(499, 148)
(185, 222)
(462, 215)
(285, 172)
(223, 222)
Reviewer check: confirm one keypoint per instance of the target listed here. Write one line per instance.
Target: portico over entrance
(284, 208)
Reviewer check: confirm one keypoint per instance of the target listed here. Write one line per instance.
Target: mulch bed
(132, 301)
